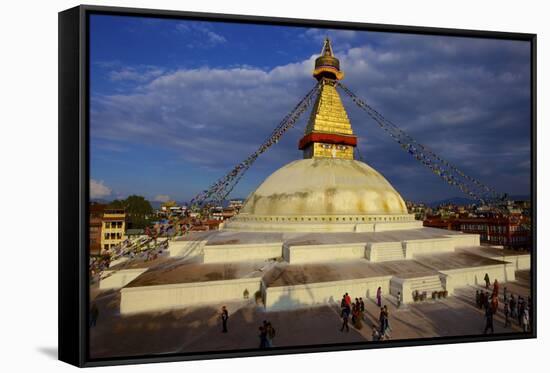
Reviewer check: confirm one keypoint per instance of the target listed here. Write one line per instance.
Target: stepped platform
(288, 270)
(303, 247)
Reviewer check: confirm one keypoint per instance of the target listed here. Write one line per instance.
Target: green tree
(138, 210)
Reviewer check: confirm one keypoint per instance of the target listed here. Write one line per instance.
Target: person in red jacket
(348, 300)
(495, 288)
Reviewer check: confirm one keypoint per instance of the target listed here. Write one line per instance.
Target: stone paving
(198, 329)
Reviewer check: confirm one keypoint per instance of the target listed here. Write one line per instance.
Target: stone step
(384, 251)
(389, 254)
(427, 284)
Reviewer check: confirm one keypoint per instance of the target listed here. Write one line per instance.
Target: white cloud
(138, 74)
(98, 189)
(161, 198)
(202, 31)
(187, 110)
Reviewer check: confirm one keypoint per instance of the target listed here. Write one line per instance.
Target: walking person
(361, 305)
(525, 319)
(399, 299)
(478, 299)
(263, 337)
(494, 304)
(521, 309)
(343, 302)
(506, 315)
(383, 324)
(269, 334)
(481, 300)
(379, 297)
(382, 321)
(357, 317)
(387, 319)
(345, 319)
(496, 287)
(94, 314)
(512, 306)
(488, 321)
(224, 316)
(487, 281)
(348, 300)
(505, 294)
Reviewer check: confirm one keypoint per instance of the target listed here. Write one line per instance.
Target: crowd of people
(520, 309)
(356, 311)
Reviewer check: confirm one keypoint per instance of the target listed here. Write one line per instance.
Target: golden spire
(328, 133)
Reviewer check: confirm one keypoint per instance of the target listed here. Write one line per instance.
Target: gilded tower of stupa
(328, 133)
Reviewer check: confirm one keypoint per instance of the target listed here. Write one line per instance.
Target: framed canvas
(236, 186)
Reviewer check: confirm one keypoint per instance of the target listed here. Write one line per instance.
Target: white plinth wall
(321, 293)
(162, 297)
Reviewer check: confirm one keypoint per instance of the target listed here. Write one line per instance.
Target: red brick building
(510, 231)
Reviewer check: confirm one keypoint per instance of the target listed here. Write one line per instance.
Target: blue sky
(175, 104)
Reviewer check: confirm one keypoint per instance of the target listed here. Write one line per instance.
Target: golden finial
(326, 65)
(327, 48)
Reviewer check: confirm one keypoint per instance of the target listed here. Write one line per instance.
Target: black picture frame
(74, 178)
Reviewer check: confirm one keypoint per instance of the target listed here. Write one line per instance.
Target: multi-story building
(510, 231)
(420, 210)
(113, 228)
(237, 204)
(222, 214)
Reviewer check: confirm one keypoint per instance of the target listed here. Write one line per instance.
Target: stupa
(328, 190)
(315, 229)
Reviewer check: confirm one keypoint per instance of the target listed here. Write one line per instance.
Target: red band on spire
(328, 138)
